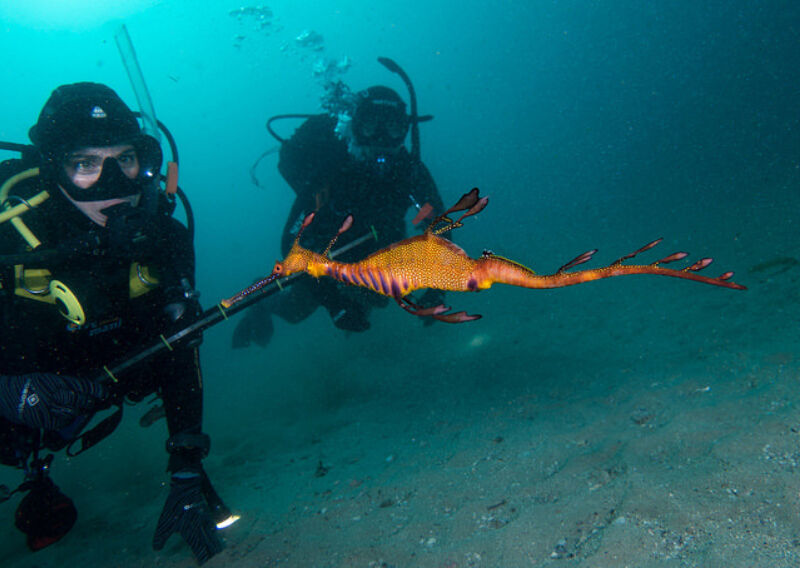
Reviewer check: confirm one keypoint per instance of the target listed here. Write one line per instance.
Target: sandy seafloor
(631, 422)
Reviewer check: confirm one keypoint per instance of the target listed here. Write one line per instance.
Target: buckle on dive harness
(89, 438)
(67, 302)
(35, 284)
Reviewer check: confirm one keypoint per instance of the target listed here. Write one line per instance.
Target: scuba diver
(351, 159)
(94, 268)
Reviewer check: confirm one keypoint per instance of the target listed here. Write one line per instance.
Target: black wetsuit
(330, 181)
(120, 316)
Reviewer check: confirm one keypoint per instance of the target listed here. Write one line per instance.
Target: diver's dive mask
(113, 183)
(385, 128)
(380, 118)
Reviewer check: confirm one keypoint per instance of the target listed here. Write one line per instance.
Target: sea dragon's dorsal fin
(346, 224)
(306, 222)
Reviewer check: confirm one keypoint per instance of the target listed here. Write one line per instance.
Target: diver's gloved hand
(432, 297)
(187, 512)
(182, 309)
(182, 303)
(47, 400)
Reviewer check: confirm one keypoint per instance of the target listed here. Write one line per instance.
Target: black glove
(183, 305)
(182, 310)
(47, 400)
(187, 512)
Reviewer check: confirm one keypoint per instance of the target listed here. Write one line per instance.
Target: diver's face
(84, 166)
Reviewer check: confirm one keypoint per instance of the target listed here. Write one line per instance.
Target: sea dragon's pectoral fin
(458, 317)
(437, 312)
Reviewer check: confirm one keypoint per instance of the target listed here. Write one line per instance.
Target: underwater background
(633, 421)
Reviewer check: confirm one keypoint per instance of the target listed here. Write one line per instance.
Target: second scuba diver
(350, 160)
(96, 269)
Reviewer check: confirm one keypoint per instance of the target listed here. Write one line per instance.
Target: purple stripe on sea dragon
(374, 280)
(396, 289)
(360, 276)
(384, 285)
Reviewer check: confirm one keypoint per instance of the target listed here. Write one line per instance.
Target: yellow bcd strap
(141, 280)
(12, 213)
(38, 284)
(33, 283)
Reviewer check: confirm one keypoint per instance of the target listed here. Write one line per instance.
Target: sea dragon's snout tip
(255, 287)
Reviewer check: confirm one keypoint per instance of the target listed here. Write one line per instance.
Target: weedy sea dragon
(431, 261)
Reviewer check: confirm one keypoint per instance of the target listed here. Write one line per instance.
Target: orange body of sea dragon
(431, 261)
